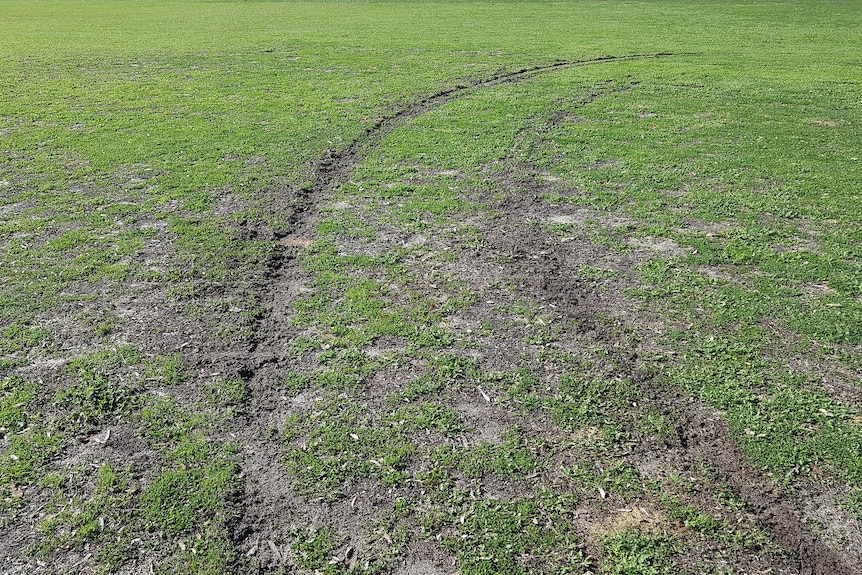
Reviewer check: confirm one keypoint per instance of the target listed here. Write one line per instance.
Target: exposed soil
(267, 504)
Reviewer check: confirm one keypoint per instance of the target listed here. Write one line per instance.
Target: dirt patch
(487, 421)
(624, 519)
(816, 290)
(717, 273)
(421, 567)
(580, 217)
(664, 246)
(14, 208)
(426, 559)
(841, 533)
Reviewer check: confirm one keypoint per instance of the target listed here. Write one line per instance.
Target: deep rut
(267, 499)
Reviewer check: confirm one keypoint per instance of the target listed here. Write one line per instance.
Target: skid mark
(333, 166)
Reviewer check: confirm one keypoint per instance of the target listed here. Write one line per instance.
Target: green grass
(512, 459)
(149, 156)
(508, 538)
(340, 443)
(632, 553)
(99, 391)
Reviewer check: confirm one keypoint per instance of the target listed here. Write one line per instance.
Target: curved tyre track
(333, 167)
(698, 436)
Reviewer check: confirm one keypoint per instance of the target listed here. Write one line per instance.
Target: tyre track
(333, 167)
(266, 498)
(696, 434)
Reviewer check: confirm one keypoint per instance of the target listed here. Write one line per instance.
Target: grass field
(428, 288)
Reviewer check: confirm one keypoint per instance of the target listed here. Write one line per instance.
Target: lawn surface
(430, 287)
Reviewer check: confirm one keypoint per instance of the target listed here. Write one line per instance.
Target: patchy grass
(268, 304)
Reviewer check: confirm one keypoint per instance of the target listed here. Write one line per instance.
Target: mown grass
(147, 155)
